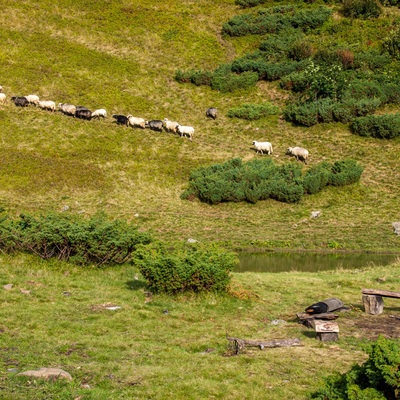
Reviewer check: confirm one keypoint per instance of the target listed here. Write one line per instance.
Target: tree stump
(373, 304)
(327, 331)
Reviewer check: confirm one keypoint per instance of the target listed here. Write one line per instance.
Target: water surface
(309, 262)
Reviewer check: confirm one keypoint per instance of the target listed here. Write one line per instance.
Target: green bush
(249, 3)
(361, 9)
(349, 109)
(379, 126)
(345, 172)
(377, 379)
(317, 177)
(72, 238)
(186, 268)
(392, 44)
(253, 111)
(226, 81)
(194, 76)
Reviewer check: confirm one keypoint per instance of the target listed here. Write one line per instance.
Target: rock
(48, 373)
(8, 286)
(192, 240)
(24, 291)
(315, 214)
(396, 227)
(65, 208)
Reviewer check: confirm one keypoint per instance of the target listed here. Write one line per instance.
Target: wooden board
(383, 293)
(321, 326)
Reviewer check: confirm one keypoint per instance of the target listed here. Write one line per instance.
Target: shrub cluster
(260, 179)
(363, 9)
(189, 267)
(274, 19)
(379, 126)
(253, 111)
(392, 44)
(249, 3)
(378, 378)
(72, 238)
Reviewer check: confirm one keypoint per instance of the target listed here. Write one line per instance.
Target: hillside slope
(123, 57)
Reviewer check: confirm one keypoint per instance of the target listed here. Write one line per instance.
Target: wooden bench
(373, 300)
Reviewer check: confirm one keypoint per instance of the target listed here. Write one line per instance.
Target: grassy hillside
(123, 56)
(158, 347)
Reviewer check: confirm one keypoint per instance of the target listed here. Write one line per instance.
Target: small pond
(309, 262)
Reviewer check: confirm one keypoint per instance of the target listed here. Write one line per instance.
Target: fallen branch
(240, 344)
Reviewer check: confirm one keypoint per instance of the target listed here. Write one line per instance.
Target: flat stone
(8, 286)
(396, 227)
(48, 373)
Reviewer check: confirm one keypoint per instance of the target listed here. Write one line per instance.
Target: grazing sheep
(83, 113)
(47, 105)
(136, 122)
(155, 125)
(211, 113)
(299, 153)
(170, 126)
(101, 112)
(3, 98)
(33, 99)
(263, 146)
(20, 101)
(185, 131)
(120, 119)
(67, 109)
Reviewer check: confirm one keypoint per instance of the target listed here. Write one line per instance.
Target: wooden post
(373, 304)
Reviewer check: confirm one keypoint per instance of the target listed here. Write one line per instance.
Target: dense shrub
(249, 3)
(300, 50)
(226, 81)
(344, 173)
(379, 126)
(196, 77)
(188, 267)
(316, 178)
(72, 238)
(260, 179)
(253, 111)
(392, 44)
(361, 9)
(274, 19)
(377, 379)
(349, 109)
(371, 60)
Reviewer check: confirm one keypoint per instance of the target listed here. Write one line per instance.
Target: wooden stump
(327, 331)
(373, 304)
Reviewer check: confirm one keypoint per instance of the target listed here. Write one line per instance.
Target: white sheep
(263, 146)
(185, 131)
(136, 122)
(101, 112)
(3, 98)
(33, 99)
(47, 105)
(170, 126)
(67, 109)
(299, 153)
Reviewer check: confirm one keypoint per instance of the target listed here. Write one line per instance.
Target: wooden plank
(383, 293)
(306, 316)
(321, 326)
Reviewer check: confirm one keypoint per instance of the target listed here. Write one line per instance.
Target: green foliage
(273, 19)
(253, 111)
(249, 3)
(72, 238)
(260, 179)
(385, 126)
(345, 172)
(185, 268)
(226, 81)
(361, 9)
(392, 44)
(194, 76)
(377, 379)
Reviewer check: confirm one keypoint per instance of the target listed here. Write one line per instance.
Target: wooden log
(383, 293)
(373, 304)
(240, 344)
(329, 316)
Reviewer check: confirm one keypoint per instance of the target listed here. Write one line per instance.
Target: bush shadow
(135, 285)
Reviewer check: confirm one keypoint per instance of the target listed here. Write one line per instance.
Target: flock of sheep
(129, 120)
(84, 113)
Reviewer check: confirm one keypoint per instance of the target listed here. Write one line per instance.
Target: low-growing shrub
(249, 3)
(363, 9)
(253, 111)
(379, 126)
(191, 267)
(317, 177)
(392, 44)
(348, 109)
(226, 81)
(345, 172)
(377, 379)
(196, 77)
(72, 238)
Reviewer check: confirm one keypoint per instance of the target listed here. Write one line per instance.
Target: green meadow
(123, 56)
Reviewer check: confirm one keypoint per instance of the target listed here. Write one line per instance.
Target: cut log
(383, 293)
(240, 344)
(329, 316)
(325, 306)
(326, 331)
(373, 304)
